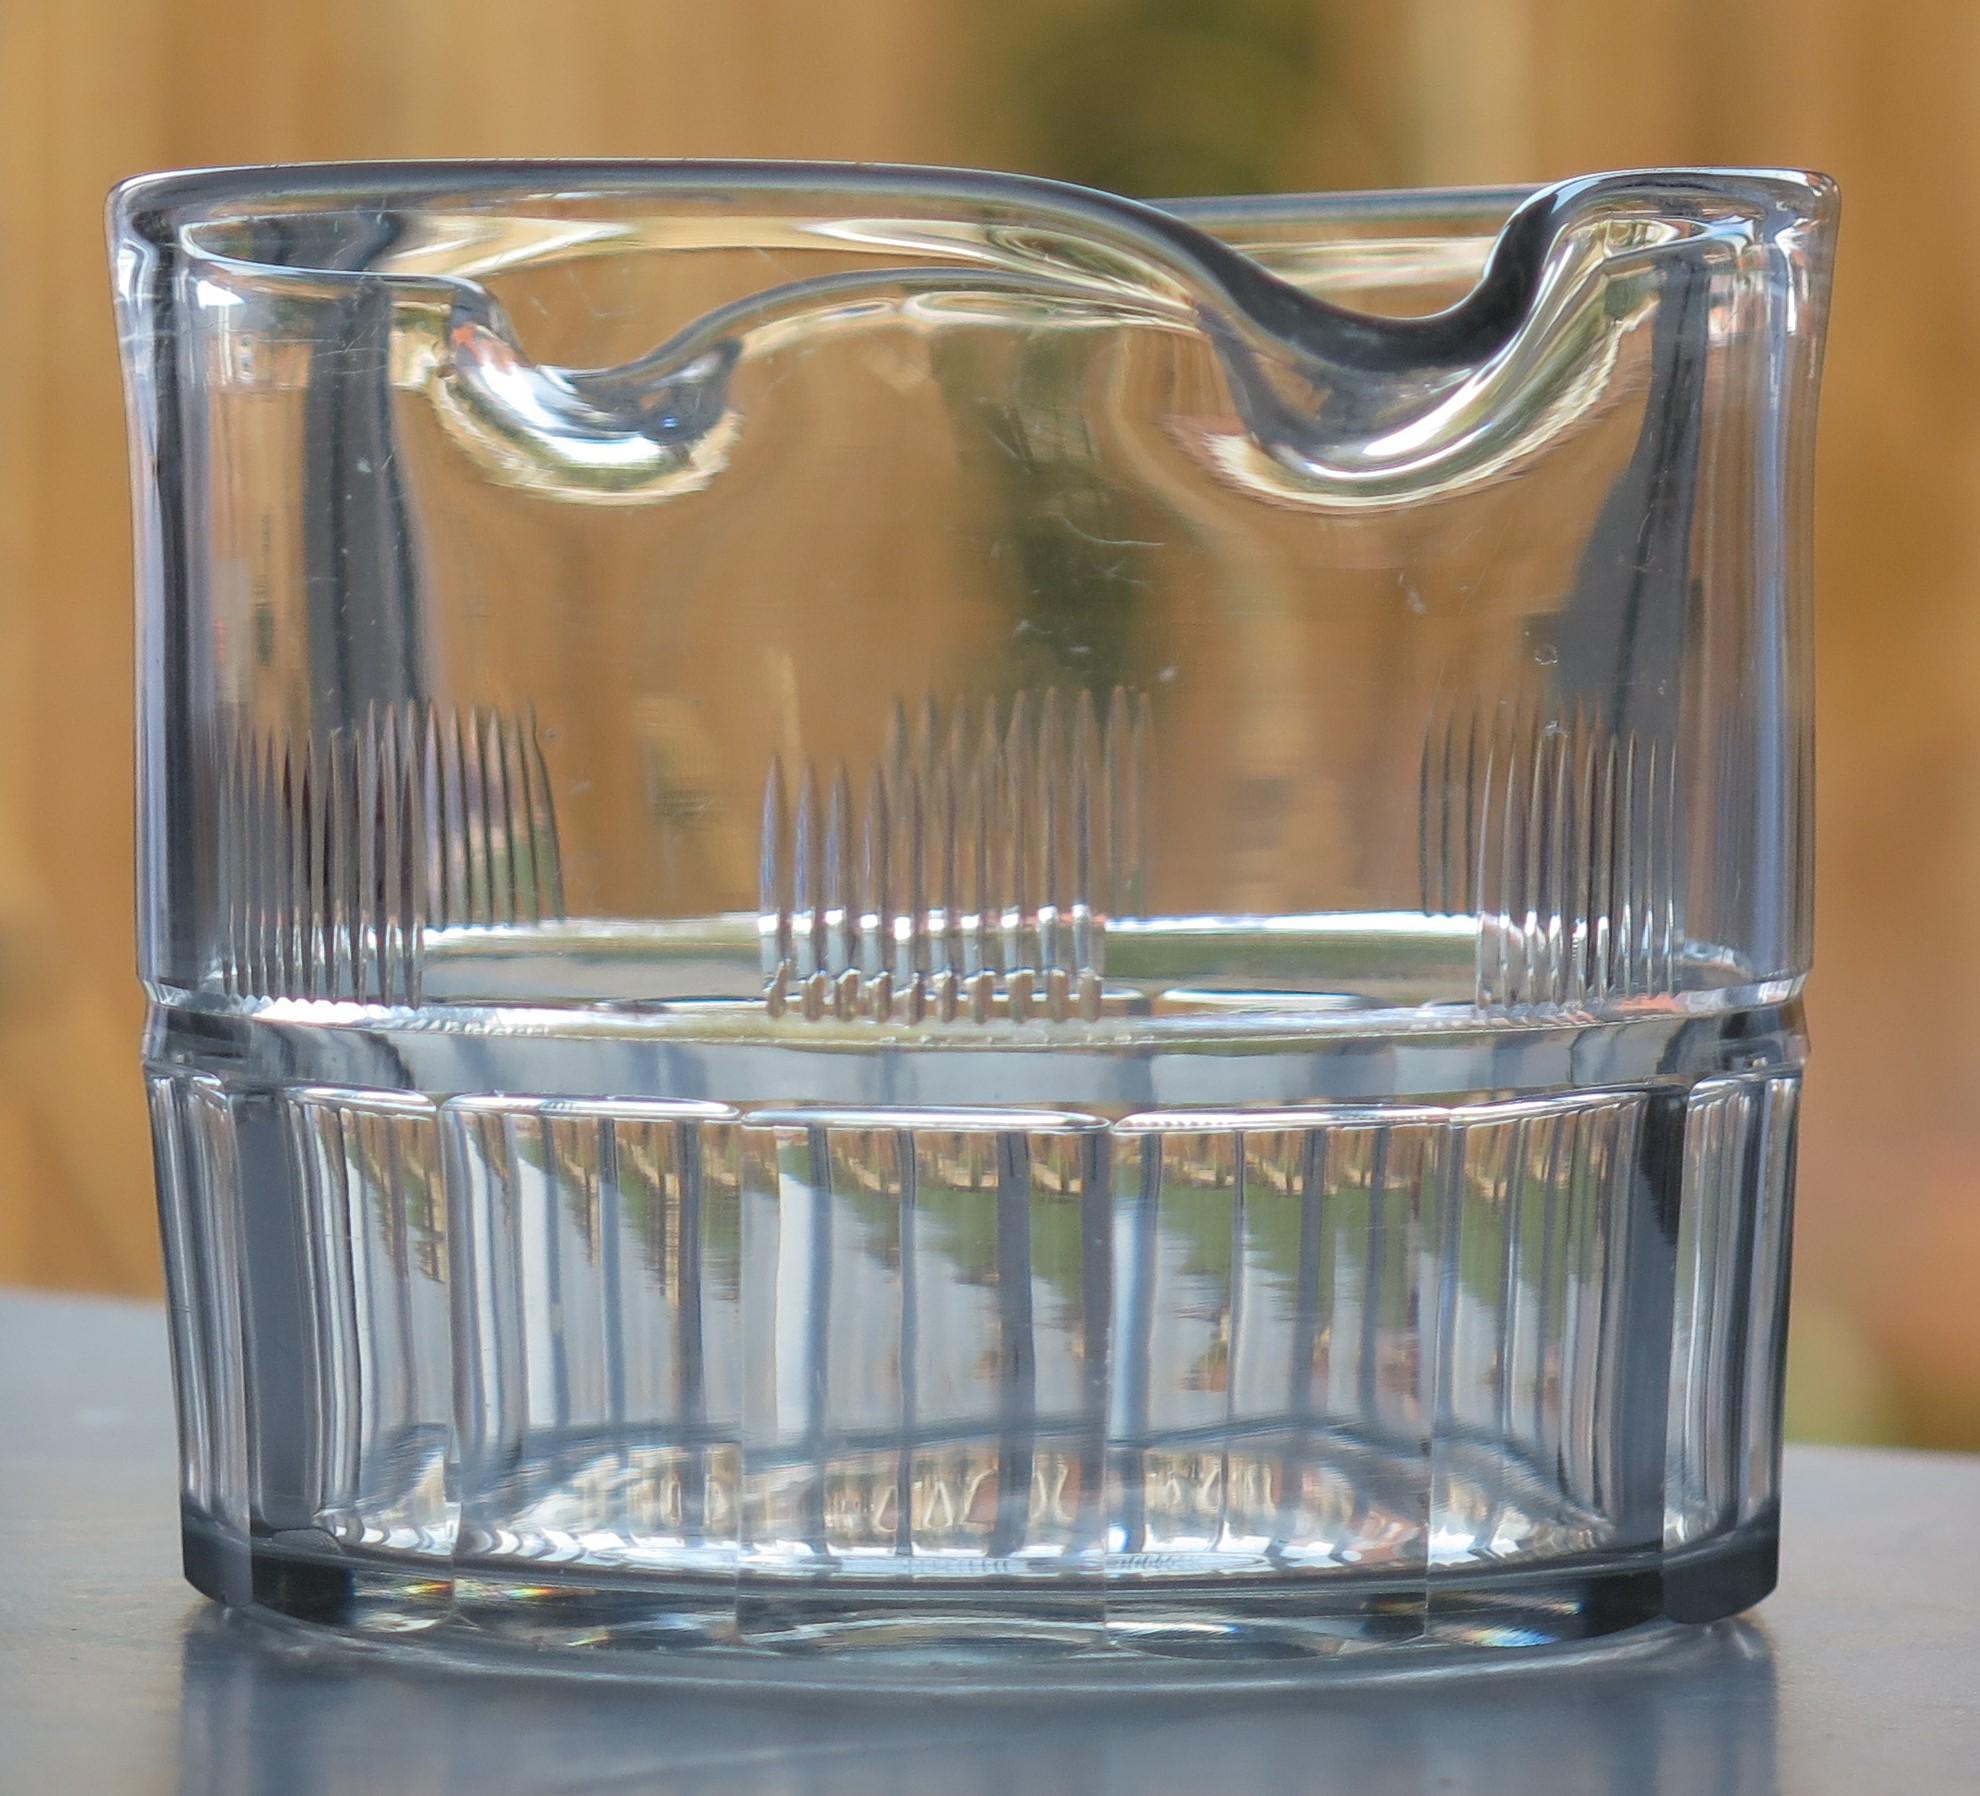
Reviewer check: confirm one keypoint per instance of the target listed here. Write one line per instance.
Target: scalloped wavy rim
(1348, 406)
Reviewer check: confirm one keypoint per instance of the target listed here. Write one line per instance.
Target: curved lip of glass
(246, 190)
(1175, 235)
(1352, 407)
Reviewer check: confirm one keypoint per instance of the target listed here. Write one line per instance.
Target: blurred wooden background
(1159, 97)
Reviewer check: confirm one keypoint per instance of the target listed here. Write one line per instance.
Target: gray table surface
(1861, 1674)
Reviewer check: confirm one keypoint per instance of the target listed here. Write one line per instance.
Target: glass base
(1264, 1627)
(1233, 1365)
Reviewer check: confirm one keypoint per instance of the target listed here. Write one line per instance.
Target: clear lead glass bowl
(916, 916)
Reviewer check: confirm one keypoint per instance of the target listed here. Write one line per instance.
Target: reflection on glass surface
(1686, 1711)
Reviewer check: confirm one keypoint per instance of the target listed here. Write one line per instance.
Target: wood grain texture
(1417, 91)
